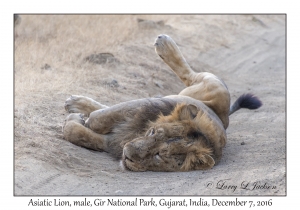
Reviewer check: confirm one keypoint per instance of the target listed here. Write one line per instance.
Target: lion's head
(172, 143)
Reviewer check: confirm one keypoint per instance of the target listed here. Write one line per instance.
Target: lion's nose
(127, 150)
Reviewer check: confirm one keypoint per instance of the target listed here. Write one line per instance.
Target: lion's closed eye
(150, 132)
(174, 139)
(157, 156)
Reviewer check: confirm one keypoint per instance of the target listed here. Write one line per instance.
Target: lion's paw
(75, 117)
(82, 104)
(72, 103)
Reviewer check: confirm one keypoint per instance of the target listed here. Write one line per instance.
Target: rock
(46, 67)
(149, 24)
(159, 85)
(101, 58)
(113, 83)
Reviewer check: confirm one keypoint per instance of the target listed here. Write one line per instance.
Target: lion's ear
(197, 162)
(188, 112)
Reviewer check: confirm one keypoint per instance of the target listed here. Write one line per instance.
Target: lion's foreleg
(75, 132)
(82, 104)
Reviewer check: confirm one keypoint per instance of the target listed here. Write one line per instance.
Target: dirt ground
(57, 56)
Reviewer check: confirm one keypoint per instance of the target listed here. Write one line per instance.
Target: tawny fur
(175, 133)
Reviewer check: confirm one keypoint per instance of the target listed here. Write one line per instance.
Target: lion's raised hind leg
(75, 132)
(202, 86)
(82, 104)
(168, 50)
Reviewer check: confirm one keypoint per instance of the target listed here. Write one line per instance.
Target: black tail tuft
(248, 101)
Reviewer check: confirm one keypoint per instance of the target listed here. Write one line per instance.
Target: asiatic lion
(174, 133)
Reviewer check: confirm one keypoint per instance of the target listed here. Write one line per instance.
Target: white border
(8, 201)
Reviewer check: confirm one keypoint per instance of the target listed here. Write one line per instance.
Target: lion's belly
(214, 95)
(190, 100)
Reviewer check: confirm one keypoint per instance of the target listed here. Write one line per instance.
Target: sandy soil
(52, 63)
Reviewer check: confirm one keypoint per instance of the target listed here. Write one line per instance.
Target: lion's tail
(248, 101)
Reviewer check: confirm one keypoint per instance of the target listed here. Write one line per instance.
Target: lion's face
(172, 143)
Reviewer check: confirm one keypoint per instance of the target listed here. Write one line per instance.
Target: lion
(180, 132)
